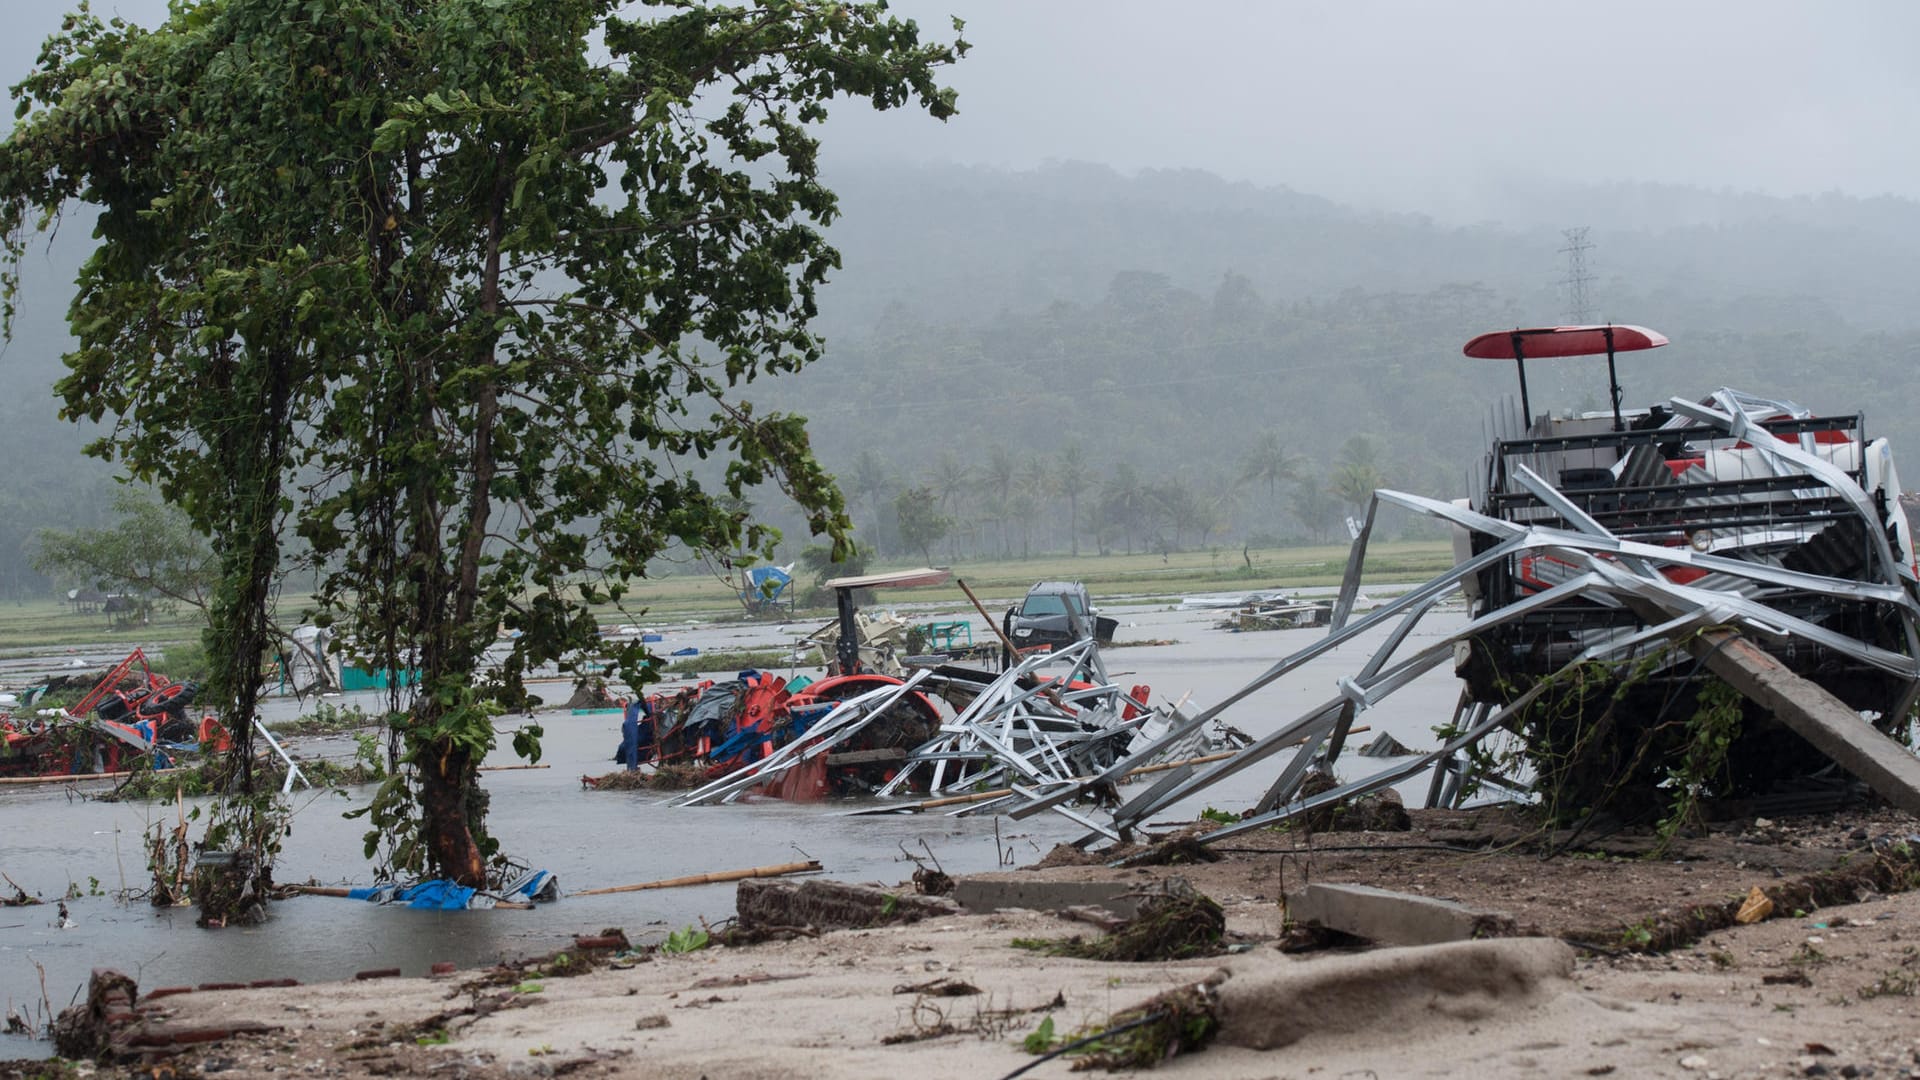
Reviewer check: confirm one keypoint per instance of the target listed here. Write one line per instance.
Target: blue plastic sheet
(442, 895)
(436, 895)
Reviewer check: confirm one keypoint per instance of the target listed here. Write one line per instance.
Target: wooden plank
(1816, 715)
(74, 778)
(811, 866)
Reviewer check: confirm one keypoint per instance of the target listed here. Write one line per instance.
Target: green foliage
(1710, 733)
(187, 660)
(475, 283)
(730, 660)
(685, 940)
(328, 719)
(1041, 1039)
(922, 525)
(1224, 817)
(153, 550)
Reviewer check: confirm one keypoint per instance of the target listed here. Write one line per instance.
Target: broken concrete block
(982, 894)
(1392, 918)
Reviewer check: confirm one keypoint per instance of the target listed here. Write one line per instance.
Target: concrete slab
(1392, 918)
(981, 894)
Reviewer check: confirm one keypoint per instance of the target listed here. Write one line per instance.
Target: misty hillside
(955, 243)
(1164, 323)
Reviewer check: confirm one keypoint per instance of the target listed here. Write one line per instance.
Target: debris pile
(1614, 568)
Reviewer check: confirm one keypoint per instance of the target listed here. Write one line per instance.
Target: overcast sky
(1401, 105)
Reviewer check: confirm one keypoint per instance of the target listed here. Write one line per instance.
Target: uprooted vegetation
(667, 777)
(1172, 922)
(1181, 1020)
(218, 773)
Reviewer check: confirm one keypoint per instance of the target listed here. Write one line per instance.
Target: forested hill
(1177, 329)
(959, 244)
(1180, 326)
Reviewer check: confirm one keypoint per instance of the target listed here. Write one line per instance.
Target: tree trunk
(447, 774)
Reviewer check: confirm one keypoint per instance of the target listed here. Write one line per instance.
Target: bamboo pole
(71, 777)
(346, 893)
(508, 768)
(1012, 650)
(783, 869)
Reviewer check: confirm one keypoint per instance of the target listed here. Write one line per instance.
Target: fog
(1424, 107)
(1158, 233)
(1427, 107)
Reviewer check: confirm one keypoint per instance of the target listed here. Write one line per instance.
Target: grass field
(40, 625)
(1144, 576)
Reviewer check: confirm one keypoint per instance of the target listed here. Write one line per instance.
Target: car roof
(1056, 587)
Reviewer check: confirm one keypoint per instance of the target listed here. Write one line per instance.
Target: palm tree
(1125, 497)
(870, 482)
(1355, 483)
(1072, 477)
(1357, 474)
(1269, 461)
(950, 479)
(996, 481)
(1032, 489)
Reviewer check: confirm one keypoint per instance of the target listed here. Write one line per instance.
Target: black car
(1055, 614)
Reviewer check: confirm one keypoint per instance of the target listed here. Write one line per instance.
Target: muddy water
(590, 839)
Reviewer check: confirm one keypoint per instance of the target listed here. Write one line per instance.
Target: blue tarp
(765, 584)
(436, 895)
(442, 895)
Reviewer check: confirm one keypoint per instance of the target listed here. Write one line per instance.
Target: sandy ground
(1827, 992)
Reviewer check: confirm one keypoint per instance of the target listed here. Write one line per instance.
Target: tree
(1268, 461)
(465, 291)
(996, 487)
(1125, 500)
(152, 549)
(922, 525)
(1354, 483)
(1072, 476)
(870, 482)
(950, 479)
(1357, 474)
(1317, 509)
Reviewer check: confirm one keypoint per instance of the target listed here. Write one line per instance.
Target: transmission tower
(1578, 283)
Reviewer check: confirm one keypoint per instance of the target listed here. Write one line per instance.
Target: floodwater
(595, 839)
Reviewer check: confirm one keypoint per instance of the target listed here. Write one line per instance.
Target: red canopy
(1547, 341)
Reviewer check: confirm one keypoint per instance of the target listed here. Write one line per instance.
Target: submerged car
(1056, 614)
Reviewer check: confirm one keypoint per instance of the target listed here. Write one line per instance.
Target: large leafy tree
(151, 547)
(457, 289)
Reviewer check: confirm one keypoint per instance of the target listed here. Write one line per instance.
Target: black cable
(1157, 1014)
